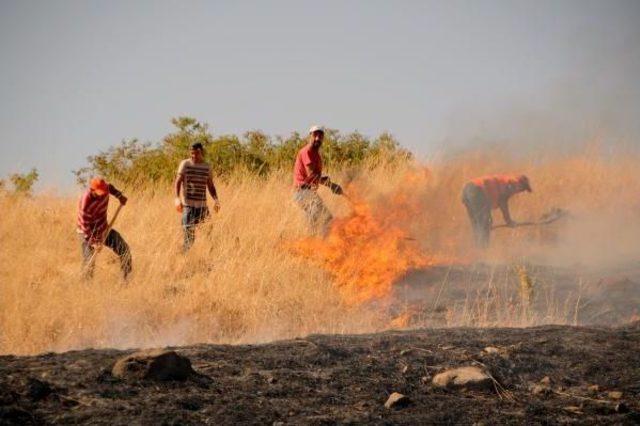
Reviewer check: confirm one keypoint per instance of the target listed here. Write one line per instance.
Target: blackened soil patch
(346, 379)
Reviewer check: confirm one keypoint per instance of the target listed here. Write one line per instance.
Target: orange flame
(401, 321)
(365, 253)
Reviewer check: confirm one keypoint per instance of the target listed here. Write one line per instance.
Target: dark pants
(116, 243)
(191, 216)
(318, 215)
(479, 210)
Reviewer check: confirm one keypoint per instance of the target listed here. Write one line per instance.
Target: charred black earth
(541, 375)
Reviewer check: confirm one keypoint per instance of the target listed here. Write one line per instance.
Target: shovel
(92, 259)
(547, 218)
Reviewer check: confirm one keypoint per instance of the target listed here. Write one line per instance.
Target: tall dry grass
(240, 282)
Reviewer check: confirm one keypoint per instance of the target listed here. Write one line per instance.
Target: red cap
(99, 186)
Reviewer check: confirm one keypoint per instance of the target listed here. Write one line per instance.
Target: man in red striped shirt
(92, 225)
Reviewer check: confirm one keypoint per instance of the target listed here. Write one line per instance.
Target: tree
(23, 182)
(133, 163)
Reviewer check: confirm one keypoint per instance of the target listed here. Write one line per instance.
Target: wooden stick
(92, 259)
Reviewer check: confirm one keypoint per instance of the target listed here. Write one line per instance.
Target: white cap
(316, 128)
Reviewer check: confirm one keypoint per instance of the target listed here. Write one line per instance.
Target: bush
(133, 162)
(22, 182)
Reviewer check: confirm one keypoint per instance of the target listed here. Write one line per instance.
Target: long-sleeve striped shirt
(92, 214)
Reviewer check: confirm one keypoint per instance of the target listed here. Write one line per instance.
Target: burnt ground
(569, 295)
(345, 379)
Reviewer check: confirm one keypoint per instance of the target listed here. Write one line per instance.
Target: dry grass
(240, 283)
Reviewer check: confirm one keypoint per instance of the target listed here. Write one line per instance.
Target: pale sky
(80, 76)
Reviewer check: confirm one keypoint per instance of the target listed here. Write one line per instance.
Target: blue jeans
(191, 216)
(318, 215)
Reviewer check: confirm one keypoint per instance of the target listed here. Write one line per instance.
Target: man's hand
(216, 205)
(123, 200)
(336, 189)
(178, 203)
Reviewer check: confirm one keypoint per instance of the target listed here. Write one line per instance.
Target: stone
(540, 390)
(614, 394)
(573, 409)
(397, 400)
(470, 377)
(491, 350)
(153, 364)
(621, 408)
(38, 389)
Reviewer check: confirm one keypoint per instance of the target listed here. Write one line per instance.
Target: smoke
(596, 98)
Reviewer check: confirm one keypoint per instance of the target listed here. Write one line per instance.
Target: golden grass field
(245, 279)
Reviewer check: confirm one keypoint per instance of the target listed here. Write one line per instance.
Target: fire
(366, 252)
(401, 321)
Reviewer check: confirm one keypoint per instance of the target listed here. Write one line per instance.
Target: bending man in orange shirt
(483, 194)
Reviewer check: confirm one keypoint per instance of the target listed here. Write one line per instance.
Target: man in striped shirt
(92, 225)
(193, 180)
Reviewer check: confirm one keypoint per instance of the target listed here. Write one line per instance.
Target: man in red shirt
(307, 177)
(92, 225)
(483, 194)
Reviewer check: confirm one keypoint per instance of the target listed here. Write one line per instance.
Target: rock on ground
(154, 364)
(469, 377)
(397, 400)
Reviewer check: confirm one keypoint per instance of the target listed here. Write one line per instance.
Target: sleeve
(114, 191)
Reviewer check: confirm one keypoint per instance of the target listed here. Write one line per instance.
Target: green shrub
(133, 162)
(23, 182)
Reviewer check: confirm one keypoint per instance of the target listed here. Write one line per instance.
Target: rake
(551, 216)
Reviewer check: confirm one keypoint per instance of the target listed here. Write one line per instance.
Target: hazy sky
(79, 76)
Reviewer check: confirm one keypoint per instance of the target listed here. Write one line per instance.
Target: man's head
(523, 184)
(197, 152)
(98, 186)
(316, 136)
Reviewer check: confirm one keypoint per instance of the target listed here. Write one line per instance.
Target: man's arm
(212, 189)
(177, 185)
(314, 176)
(116, 193)
(324, 180)
(214, 194)
(504, 207)
(179, 179)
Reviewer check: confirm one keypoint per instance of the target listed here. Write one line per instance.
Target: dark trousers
(116, 243)
(191, 216)
(479, 210)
